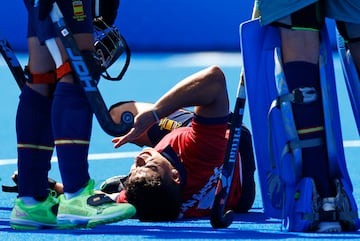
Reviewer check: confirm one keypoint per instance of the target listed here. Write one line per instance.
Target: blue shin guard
(334, 141)
(352, 79)
(257, 46)
(285, 193)
(287, 168)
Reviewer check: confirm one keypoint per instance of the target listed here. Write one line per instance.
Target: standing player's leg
(35, 137)
(301, 50)
(72, 125)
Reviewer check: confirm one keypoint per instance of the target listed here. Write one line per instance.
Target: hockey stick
(13, 63)
(218, 219)
(83, 76)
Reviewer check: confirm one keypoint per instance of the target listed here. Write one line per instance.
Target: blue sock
(72, 123)
(307, 117)
(35, 143)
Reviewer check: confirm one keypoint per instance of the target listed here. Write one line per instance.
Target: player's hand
(142, 122)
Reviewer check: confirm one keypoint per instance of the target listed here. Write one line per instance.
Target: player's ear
(175, 175)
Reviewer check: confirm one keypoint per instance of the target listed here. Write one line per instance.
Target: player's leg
(265, 39)
(72, 125)
(35, 137)
(300, 49)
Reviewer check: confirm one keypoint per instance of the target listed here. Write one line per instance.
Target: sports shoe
(328, 204)
(89, 209)
(346, 206)
(39, 216)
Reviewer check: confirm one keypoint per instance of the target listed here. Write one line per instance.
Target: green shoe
(39, 216)
(89, 209)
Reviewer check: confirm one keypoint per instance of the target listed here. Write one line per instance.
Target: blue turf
(149, 76)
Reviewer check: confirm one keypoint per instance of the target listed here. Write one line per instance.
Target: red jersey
(201, 149)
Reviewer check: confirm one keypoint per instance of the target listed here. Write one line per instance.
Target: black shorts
(311, 17)
(349, 31)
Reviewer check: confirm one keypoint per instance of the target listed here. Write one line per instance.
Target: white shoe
(328, 204)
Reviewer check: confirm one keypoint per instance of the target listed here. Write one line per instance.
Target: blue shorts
(341, 10)
(344, 10)
(77, 14)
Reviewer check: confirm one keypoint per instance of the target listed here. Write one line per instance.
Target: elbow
(217, 75)
(216, 71)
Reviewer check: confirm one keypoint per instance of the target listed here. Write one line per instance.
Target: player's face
(148, 161)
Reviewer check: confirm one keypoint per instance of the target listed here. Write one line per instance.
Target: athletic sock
(34, 142)
(69, 195)
(309, 121)
(72, 122)
(29, 200)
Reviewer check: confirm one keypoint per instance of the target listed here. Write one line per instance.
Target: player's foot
(38, 216)
(328, 205)
(89, 209)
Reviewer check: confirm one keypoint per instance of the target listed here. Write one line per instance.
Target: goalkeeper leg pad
(352, 79)
(258, 43)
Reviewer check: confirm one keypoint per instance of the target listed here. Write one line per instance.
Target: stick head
(217, 218)
(221, 220)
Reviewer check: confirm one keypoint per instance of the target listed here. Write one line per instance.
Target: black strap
(99, 199)
(9, 188)
(171, 156)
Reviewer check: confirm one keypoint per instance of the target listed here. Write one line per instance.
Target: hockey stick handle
(13, 63)
(218, 219)
(83, 76)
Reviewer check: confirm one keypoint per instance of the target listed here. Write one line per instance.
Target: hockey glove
(113, 184)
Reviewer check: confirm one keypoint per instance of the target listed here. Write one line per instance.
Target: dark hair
(154, 198)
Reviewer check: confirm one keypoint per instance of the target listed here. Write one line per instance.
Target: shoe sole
(69, 221)
(332, 228)
(20, 224)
